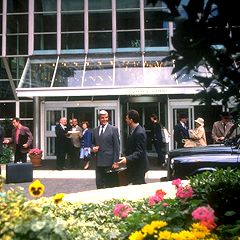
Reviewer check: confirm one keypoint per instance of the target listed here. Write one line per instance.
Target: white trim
(103, 91)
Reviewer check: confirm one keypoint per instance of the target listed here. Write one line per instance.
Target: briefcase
(19, 172)
(117, 177)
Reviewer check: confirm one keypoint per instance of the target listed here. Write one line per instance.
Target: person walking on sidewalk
(22, 140)
(106, 146)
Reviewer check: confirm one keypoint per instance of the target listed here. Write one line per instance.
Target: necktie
(102, 127)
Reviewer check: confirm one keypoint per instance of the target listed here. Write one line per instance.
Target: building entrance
(83, 111)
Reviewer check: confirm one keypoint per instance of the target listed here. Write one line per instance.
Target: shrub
(7, 155)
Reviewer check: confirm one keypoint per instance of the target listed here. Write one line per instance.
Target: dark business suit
(62, 144)
(180, 133)
(108, 153)
(136, 155)
(25, 137)
(2, 135)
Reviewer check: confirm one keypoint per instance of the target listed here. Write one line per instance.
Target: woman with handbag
(86, 144)
(197, 137)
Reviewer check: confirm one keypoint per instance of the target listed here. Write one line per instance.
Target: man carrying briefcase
(22, 141)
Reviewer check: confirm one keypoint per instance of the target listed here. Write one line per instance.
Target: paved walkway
(73, 181)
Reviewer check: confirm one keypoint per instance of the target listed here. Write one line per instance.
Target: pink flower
(205, 215)
(35, 151)
(165, 204)
(177, 182)
(158, 197)
(122, 210)
(184, 192)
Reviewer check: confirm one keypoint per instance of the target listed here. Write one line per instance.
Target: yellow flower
(164, 235)
(138, 235)
(58, 198)
(200, 231)
(186, 235)
(36, 189)
(153, 226)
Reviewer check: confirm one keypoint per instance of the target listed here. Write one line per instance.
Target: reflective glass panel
(26, 109)
(45, 22)
(18, 6)
(100, 39)
(99, 4)
(123, 4)
(8, 110)
(45, 5)
(128, 20)
(72, 5)
(156, 38)
(17, 23)
(17, 44)
(5, 91)
(99, 71)
(100, 21)
(69, 73)
(129, 71)
(40, 73)
(45, 41)
(72, 22)
(72, 41)
(17, 65)
(128, 39)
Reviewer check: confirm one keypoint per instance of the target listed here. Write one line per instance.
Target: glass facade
(81, 44)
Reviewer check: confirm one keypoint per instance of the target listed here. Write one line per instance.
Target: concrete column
(36, 122)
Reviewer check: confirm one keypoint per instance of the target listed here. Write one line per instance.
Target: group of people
(221, 130)
(104, 143)
(73, 141)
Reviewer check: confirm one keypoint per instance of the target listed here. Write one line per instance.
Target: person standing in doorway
(86, 144)
(181, 131)
(75, 136)
(62, 142)
(222, 128)
(157, 139)
(22, 140)
(106, 146)
(136, 150)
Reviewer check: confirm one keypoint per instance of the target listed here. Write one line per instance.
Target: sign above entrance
(103, 91)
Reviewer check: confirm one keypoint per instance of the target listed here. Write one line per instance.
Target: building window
(17, 29)
(45, 25)
(100, 24)
(8, 110)
(156, 30)
(72, 30)
(26, 109)
(128, 24)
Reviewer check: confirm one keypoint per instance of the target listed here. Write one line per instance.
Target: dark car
(185, 162)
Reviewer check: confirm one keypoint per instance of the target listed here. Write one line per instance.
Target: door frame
(62, 105)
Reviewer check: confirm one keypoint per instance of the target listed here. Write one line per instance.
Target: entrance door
(52, 118)
(176, 108)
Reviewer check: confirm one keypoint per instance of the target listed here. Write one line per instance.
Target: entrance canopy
(99, 75)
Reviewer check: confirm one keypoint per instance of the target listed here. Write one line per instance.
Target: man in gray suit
(106, 146)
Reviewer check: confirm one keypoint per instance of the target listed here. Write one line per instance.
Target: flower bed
(190, 215)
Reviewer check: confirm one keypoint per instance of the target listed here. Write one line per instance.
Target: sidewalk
(72, 181)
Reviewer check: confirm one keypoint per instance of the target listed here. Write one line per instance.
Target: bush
(7, 155)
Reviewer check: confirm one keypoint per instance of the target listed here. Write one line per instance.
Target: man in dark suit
(136, 154)
(62, 143)
(22, 140)
(181, 131)
(106, 145)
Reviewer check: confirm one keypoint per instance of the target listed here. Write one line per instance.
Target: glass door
(52, 118)
(176, 108)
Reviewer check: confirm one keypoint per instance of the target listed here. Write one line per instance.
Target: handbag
(189, 143)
